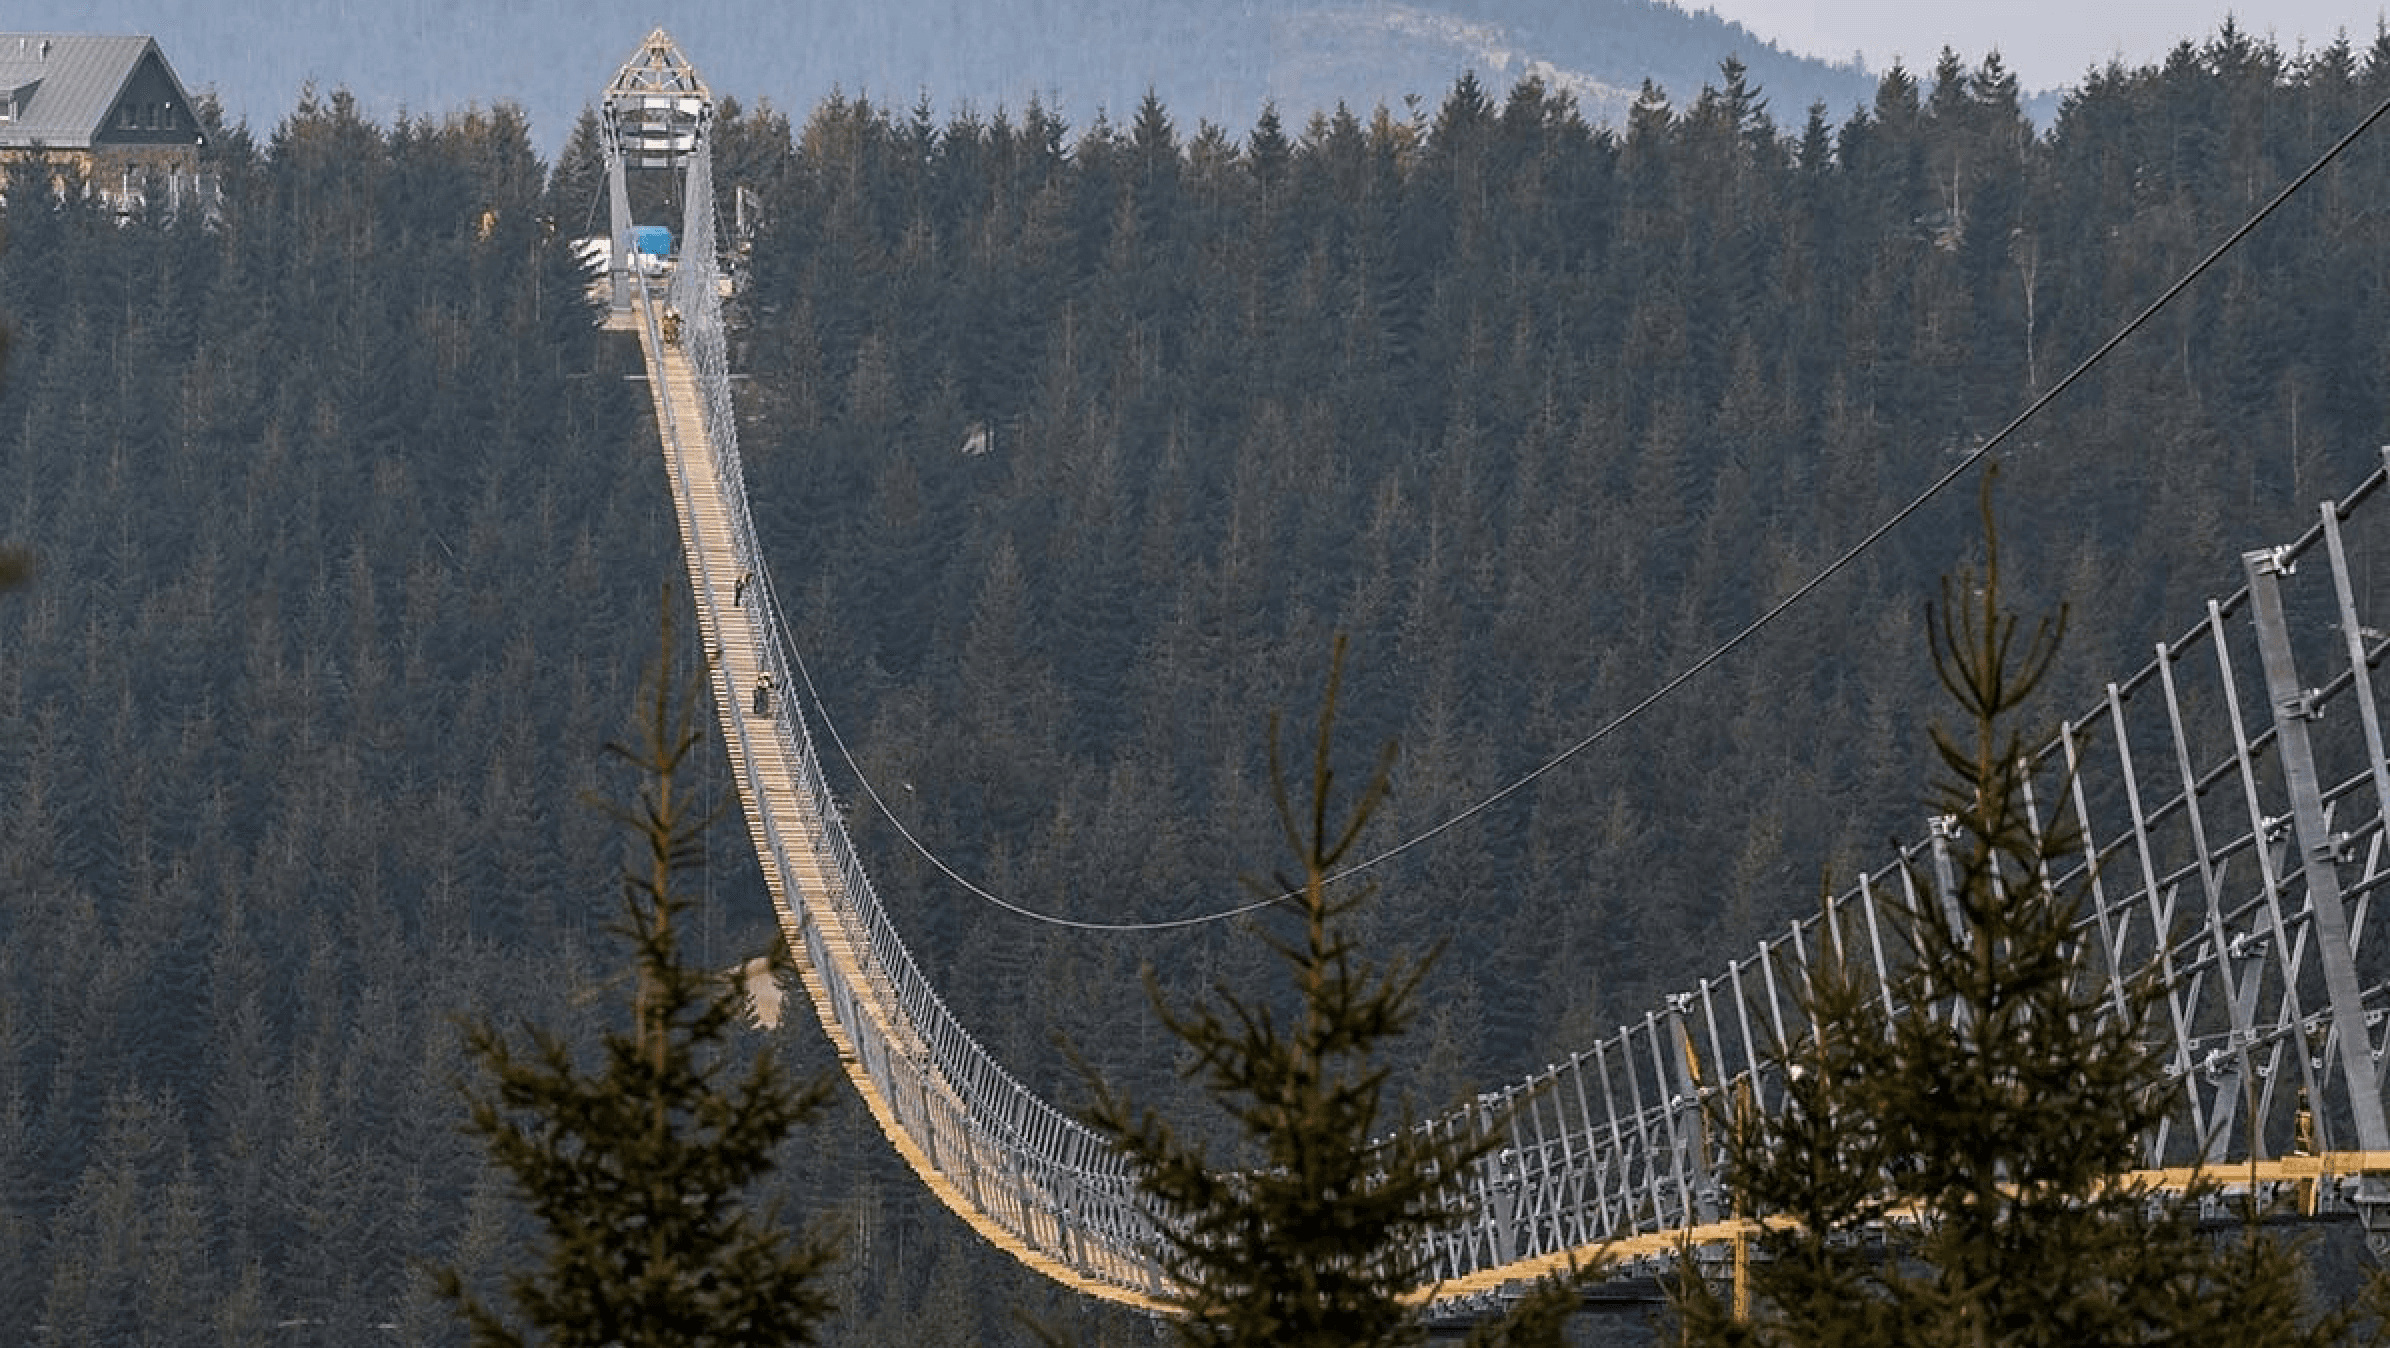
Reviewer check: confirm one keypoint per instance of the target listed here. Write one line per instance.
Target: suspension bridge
(2231, 795)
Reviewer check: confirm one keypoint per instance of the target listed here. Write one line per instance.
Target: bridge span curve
(2232, 794)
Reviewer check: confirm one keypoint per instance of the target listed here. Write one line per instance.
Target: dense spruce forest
(1074, 447)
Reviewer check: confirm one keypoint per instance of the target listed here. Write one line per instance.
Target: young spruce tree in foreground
(639, 1171)
(1954, 1176)
(1313, 1236)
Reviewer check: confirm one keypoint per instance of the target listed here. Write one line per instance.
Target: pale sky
(2046, 42)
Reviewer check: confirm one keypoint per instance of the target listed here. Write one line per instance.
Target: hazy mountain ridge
(1080, 58)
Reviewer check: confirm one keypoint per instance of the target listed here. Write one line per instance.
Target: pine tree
(16, 564)
(1315, 1232)
(638, 1170)
(1955, 1170)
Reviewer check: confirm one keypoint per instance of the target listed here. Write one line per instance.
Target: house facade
(109, 109)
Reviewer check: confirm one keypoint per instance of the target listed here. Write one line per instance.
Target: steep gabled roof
(64, 84)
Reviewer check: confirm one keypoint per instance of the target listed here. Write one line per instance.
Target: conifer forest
(1075, 448)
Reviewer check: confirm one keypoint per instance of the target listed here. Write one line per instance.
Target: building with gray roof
(107, 108)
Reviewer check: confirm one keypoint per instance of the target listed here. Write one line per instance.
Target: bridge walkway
(964, 1165)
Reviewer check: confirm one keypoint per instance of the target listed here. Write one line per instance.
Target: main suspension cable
(1663, 691)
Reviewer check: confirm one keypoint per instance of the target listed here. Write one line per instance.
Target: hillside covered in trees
(350, 527)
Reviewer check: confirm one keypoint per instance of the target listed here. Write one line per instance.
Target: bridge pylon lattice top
(657, 106)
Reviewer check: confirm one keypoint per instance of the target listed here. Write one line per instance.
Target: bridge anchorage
(2231, 795)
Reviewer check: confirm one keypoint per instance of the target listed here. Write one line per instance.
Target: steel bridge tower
(655, 116)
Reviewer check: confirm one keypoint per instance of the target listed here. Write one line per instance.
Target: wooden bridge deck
(802, 874)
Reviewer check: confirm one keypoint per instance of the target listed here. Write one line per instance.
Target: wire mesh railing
(1029, 1175)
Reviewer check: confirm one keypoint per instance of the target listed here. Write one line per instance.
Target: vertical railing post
(2293, 707)
(1691, 1125)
